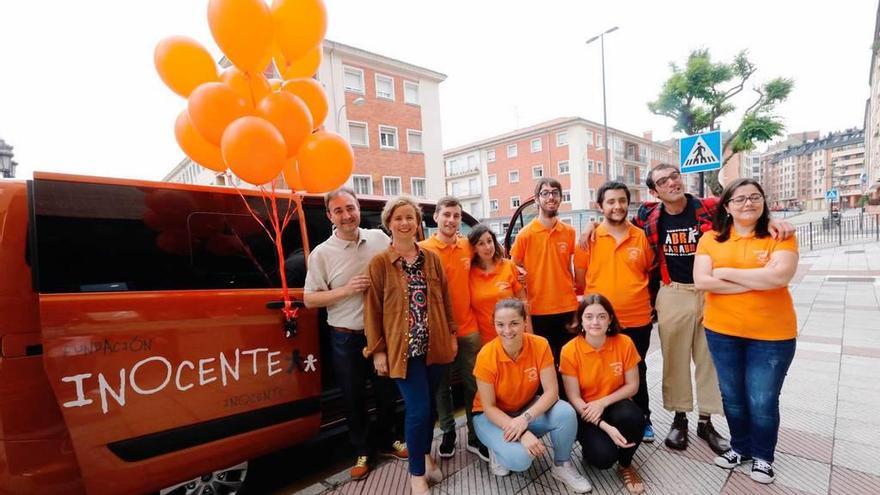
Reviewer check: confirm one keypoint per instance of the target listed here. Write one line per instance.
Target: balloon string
(251, 210)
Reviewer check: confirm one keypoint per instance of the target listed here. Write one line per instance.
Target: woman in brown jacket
(410, 331)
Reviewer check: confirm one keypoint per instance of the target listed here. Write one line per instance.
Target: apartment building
(800, 175)
(494, 176)
(389, 110)
(872, 119)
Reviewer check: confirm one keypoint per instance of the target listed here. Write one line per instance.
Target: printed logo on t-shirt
(532, 374)
(466, 262)
(616, 368)
(563, 247)
(762, 255)
(502, 285)
(634, 254)
(680, 242)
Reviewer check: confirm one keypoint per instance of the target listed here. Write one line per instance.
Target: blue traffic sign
(832, 195)
(700, 152)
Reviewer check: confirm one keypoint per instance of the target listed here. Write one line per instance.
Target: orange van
(141, 344)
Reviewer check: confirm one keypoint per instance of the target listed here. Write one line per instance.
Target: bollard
(811, 235)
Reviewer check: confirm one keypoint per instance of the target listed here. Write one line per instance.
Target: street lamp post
(605, 140)
(356, 102)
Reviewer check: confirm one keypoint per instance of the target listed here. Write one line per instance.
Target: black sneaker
(730, 459)
(479, 449)
(447, 445)
(762, 471)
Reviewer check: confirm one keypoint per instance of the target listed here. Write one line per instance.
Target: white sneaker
(569, 475)
(495, 467)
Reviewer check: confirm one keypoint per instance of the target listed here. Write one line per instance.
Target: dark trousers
(751, 374)
(353, 372)
(419, 390)
(641, 337)
(554, 328)
(598, 448)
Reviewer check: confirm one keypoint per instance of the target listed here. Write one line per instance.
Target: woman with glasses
(750, 321)
(600, 374)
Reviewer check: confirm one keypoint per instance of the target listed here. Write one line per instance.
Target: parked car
(140, 341)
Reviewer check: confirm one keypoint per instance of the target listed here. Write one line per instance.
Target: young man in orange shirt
(455, 254)
(618, 264)
(545, 248)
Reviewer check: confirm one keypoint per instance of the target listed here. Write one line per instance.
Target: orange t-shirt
(620, 272)
(546, 255)
(489, 288)
(756, 314)
(599, 372)
(515, 382)
(456, 261)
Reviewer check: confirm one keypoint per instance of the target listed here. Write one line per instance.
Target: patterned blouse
(418, 305)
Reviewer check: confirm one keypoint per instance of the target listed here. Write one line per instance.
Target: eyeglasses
(550, 194)
(665, 180)
(752, 198)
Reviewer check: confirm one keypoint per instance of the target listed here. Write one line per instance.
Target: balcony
(631, 157)
(461, 172)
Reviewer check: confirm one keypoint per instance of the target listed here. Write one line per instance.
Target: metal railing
(838, 231)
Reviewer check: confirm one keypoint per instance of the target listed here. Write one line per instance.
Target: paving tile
(817, 356)
(476, 479)
(857, 456)
(740, 484)
(856, 431)
(666, 473)
(796, 419)
(806, 445)
(460, 459)
(821, 340)
(797, 473)
(847, 482)
(390, 478)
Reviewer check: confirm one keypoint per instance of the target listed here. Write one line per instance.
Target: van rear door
(161, 335)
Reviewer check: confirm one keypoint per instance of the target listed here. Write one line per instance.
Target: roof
(549, 125)
(376, 58)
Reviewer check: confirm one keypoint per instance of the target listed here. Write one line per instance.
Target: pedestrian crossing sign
(700, 152)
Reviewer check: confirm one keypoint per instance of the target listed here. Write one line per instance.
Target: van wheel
(223, 482)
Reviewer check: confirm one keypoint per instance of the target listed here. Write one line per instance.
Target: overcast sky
(79, 94)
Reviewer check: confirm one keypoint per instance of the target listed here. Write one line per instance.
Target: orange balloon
(195, 146)
(183, 64)
(305, 66)
(212, 107)
(325, 162)
(288, 114)
(243, 30)
(312, 93)
(254, 149)
(291, 175)
(299, 25)
(253, 87)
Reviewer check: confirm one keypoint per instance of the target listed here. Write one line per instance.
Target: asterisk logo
(310, 363)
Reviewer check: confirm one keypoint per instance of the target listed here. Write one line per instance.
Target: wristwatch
(528, 416)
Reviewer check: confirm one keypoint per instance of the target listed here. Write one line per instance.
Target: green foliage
(697, 96)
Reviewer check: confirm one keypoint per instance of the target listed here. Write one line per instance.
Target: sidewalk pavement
(829, 440)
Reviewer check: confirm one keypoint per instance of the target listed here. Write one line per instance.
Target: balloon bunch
(255, 127)
(238, 119)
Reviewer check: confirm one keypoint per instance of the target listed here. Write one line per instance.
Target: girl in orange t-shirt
(750, 321)
(510, 416)
(600, 374)
(492, 279)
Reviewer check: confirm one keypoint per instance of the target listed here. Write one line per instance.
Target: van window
(100, 237)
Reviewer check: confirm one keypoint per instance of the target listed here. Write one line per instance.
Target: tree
(699, 94)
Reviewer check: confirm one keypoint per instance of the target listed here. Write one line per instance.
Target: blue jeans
(353, 371)
(560, 421)
(418, 391)
(750, 374)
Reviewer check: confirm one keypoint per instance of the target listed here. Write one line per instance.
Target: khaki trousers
(682, 338)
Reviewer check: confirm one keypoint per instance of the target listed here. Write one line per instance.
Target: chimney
(648, 135)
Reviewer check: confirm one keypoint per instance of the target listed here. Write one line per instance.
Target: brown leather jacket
(386, 312)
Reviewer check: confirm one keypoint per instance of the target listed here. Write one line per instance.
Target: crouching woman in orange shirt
(600, 374)
(509, 414)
